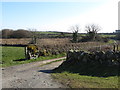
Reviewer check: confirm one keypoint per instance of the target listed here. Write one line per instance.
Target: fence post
(25, 51)
(114, 47)
(117, 47)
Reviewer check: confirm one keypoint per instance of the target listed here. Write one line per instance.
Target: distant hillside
(21, 33)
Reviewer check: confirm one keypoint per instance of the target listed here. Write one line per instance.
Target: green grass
(9, 54)
(47, 32)
(74, 80)
(86, 75)
(107, 35)
(52, 62)
(15, 55)
(111, 41)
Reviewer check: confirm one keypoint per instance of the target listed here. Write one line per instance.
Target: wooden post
(114, 47)
(25, 52)
(117, 47)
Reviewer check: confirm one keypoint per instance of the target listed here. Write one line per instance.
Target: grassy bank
(77, 74)
(15, 55)
(74, 80)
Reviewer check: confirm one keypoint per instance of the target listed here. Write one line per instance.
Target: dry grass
(58, 45)
(53, 41)
(15, 41)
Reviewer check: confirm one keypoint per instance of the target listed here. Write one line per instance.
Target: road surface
(31, 75)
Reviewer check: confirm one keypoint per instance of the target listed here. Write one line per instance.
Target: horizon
(51, 30)
(60, 16)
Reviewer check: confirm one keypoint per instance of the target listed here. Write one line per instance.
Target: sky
(59, 15)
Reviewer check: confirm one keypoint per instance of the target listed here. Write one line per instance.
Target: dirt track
(30, 75)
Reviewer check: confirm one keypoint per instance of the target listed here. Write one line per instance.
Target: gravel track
(31, 75)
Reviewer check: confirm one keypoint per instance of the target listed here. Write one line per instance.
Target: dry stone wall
(109, 58)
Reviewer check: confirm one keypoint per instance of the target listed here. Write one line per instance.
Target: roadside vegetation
(52, 62)
(15, 55)
(74, 80)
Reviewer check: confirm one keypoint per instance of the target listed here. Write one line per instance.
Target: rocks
(98, 57)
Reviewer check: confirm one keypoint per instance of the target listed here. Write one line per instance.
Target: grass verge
(52, 62)
(74, 80)
(86, 75)
(15, 56)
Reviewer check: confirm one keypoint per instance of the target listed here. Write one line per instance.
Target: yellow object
(32, 48)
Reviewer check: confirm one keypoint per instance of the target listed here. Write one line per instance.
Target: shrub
(6, 33)
(118, 36)
(97, 38)
(21, 34)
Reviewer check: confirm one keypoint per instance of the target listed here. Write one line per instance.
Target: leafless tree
(92, 30)
(75, 29)
(34, 36)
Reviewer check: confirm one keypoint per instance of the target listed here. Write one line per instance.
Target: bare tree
(34, 36)
(75, 29)
(92, 30)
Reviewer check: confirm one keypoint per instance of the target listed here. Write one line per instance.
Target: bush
(118, 36)
(97, 38)
(21, 34)
(84, 39)
(6, 33)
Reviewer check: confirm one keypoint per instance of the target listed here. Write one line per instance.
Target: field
(108, 35)
(15, 41)
(56, 45)
(9, 54)
(15, 55)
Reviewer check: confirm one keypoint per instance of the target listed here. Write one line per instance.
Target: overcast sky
(59, 15)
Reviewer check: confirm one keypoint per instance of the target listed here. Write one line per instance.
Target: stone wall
(109, 58)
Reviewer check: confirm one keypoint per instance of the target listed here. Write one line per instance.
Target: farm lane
(31, 75)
